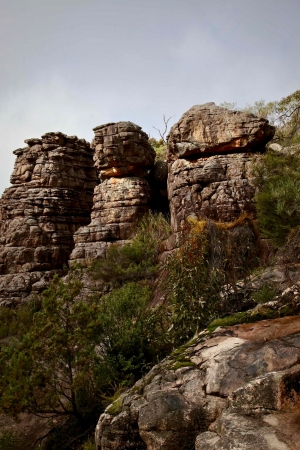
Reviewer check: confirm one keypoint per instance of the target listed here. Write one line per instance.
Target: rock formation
(231, 389)
(209, 154)
(51, 197)
(123, 158)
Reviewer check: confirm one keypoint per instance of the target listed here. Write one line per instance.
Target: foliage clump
(277, 177)
(193, 285)
(137, 259)
(160, 148)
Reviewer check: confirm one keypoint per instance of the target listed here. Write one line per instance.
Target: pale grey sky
(70, 65)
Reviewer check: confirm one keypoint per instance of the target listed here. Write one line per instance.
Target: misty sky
(70, 65)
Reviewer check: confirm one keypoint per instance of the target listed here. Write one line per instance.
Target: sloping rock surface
(231, 389)
(122, 158)
(51, 197)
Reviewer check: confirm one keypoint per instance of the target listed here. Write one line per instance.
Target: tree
(277, 177)
(288, 120)
(163, 132)
(51, 371)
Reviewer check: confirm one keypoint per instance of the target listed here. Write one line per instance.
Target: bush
(193, 285)
(130, 331)
(278, 197)
(160, 148)
(136, 260)
(15, 322)
(265, 294)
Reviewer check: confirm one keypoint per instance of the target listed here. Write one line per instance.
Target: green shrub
(123, 316)
(136, 260)
(278, 197)
(89, 445)
(15, 322)
(160, 148)
(265, 294)
(193, 286)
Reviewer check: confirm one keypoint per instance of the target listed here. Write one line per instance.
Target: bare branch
(163, 132)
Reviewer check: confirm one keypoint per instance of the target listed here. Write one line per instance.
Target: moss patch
(179, 364)
(116, 406)
(262, 313)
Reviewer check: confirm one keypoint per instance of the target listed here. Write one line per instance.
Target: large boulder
(122, 149)
(237, 388)
(206, 129)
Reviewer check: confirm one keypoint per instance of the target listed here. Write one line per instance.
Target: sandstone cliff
(217, 187)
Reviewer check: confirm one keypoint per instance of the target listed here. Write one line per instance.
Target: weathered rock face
(51, 197)
(122, 157)
(208, 128)
(122, 149)
(217, 187)
(228, 390)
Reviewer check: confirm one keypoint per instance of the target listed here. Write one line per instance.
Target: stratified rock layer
(209, 154)
(212, 129)
(237, 388)
(122, 157)
(51, 197)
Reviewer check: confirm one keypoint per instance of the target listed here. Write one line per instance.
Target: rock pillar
(123, 157)
(50, 198)
(210, 153)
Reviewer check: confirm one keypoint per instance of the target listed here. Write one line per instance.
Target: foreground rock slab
(232, 389)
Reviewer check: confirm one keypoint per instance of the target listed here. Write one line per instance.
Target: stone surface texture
(50, 198)
(210, 158)
(217, 187)
(232, 389)
(123, 158)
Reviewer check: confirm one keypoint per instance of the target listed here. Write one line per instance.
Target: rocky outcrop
(51, 197)
(231, 389)
(217, 187)
(123, 158)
